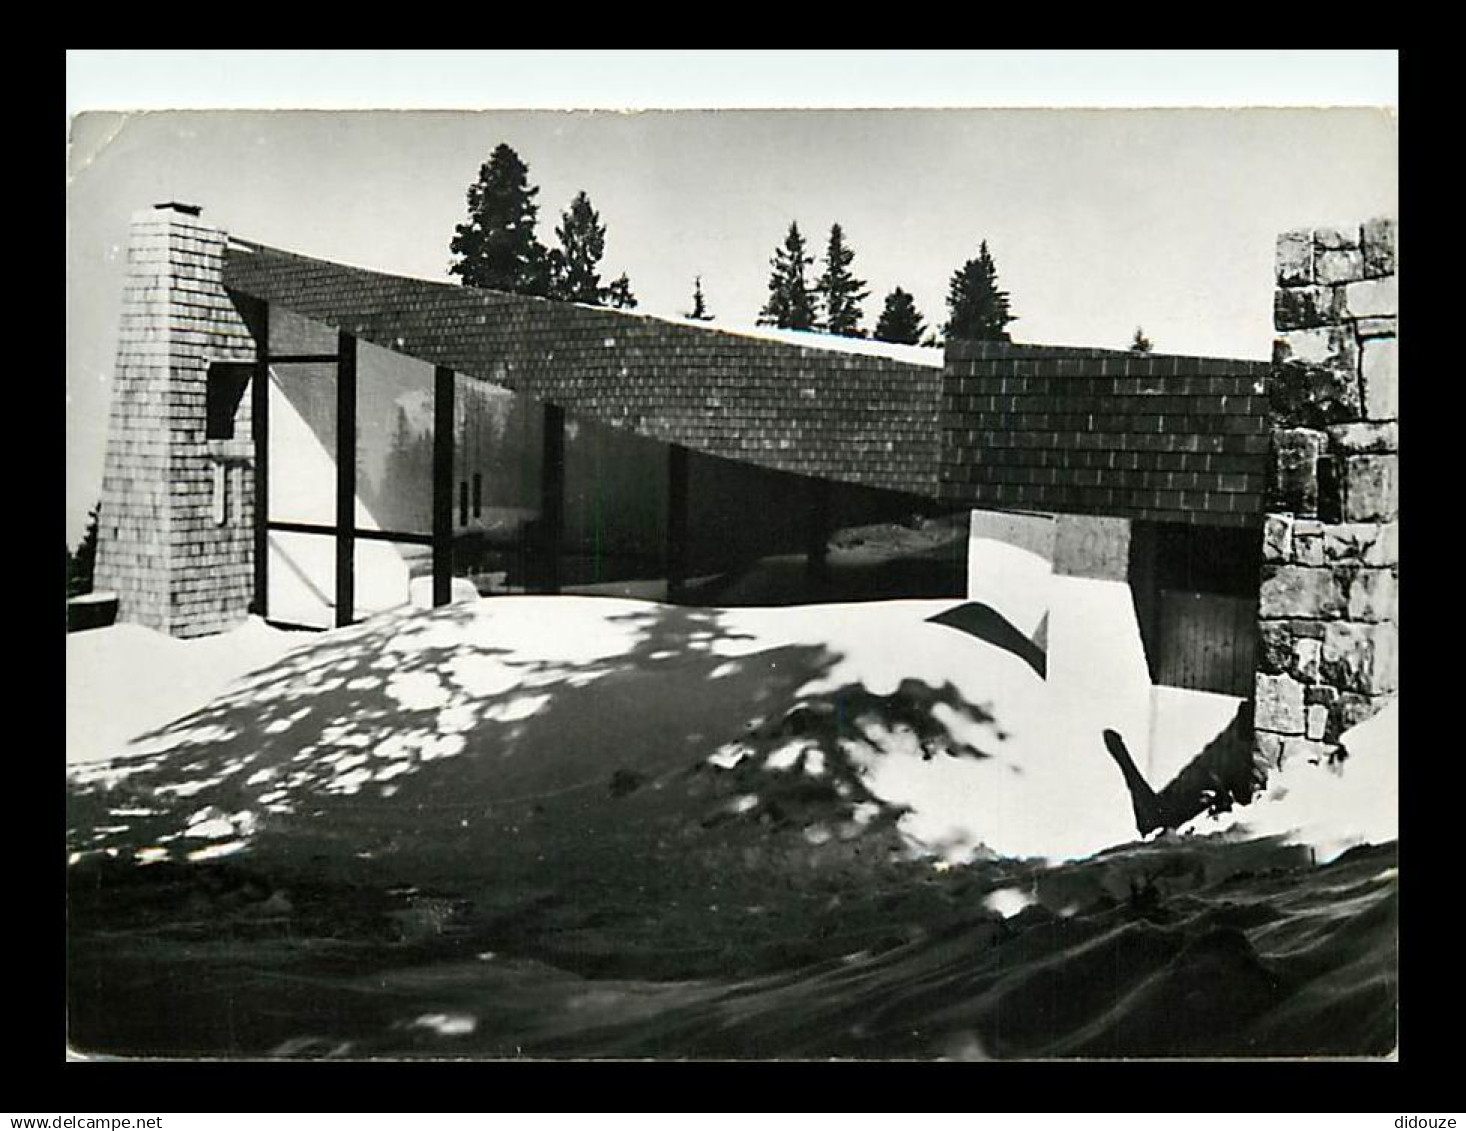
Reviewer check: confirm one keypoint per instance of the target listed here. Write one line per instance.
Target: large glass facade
(392, 438)
(300, 566)
(302, 407)
(294, 335)
(533, 499)
(394, 479)
(537, 500)
(394, 441)
(302, 578)
(615, 506)
(497, 487)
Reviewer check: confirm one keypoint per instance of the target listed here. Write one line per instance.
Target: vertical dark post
(442, 485)
(817, 534)
(552, 498)
(259, 411)
(345, 480)
(676, 521)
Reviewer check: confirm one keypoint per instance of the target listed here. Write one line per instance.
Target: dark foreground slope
(1280, 959)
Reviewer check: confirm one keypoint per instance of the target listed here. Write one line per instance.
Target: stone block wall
(1328, 655)
(175, 530)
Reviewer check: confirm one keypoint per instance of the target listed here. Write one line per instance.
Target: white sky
(1098, 221)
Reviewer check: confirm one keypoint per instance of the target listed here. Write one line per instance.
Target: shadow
(1222, 775)
(641, 836)
(880, 562)
(502, 777)
(987, 624)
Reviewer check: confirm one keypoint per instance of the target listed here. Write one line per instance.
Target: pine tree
(1140, 343)
(404, 496)
(619, 295)
(699, 311)
(791, 304)
(978, 308)
(900, 321)
(496, 246)
(574, 265)
(839, 289)
(81, 565)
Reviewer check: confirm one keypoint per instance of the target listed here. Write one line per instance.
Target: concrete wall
(1010, 567)
(1327, 606)
(178, 561)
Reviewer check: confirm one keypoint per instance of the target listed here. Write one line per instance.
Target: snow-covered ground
(1330, 807)
(590, 826)
(124, 680)
(1017, 767)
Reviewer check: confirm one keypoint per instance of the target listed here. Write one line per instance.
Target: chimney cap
(179, 206)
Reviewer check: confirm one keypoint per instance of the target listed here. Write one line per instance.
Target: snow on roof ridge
(835, 343)
(828, 343)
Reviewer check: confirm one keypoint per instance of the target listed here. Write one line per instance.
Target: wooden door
(1207, 641)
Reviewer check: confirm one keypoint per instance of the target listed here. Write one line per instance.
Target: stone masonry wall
(1327, 605)
(177, 561)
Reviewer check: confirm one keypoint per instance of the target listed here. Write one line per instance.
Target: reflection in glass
(389, 575)
(302, 579)
(302, 480)
(496, 486)
(292, 333)
(615, 506)
(394, 441)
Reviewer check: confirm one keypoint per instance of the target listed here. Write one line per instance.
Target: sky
(1099, 220)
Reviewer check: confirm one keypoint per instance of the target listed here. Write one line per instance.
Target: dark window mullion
(346, 481)
(443, 412)
(260, 430)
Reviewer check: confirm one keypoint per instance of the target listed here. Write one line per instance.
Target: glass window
(615, 505)
(292, 333)
(394, 441)
(496, 467)
(302, 579)
(302, 468)
(388, 575)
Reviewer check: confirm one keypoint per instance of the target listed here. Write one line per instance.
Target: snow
(125, 680)
(1331, 807)
(917, 355)
(1020, 768)
(835, 343)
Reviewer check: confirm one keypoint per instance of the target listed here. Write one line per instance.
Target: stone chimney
(175, 530)
(1327, 606)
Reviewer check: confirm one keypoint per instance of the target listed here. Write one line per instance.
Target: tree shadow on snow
(666, 801)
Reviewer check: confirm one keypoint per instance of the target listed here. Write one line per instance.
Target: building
(314, 443)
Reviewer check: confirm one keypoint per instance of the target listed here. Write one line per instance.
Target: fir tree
(900, 321)
(839, 289)
(978, 308)
(791, 304)
(404, 497)
(619, 295)
(1140, 343)
(496, 246)
(574, 265)
(81, 565)
(699, 311)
